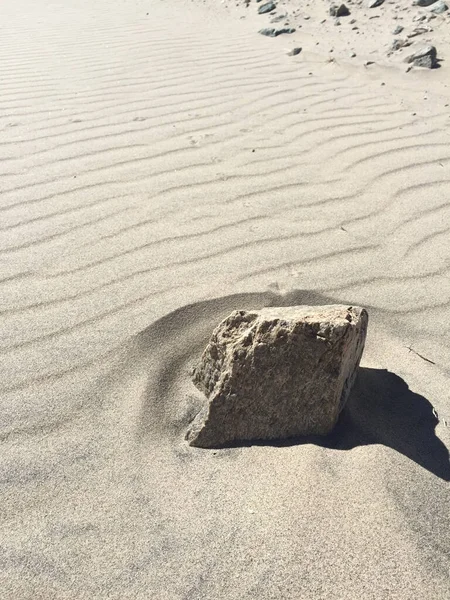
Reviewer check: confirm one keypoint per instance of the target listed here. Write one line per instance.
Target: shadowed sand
(162, 164)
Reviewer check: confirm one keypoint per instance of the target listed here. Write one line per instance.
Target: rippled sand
(157, 172)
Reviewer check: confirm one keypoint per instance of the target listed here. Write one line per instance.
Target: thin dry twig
(420, 355)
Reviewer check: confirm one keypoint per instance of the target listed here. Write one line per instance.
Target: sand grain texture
(157, 172)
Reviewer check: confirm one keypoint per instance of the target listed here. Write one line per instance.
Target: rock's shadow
(383, 410)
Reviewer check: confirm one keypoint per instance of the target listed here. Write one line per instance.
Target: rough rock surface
(439, 8)
(399, 43)
(278, 18)
(267, 7)
(339, 11)
(425, 57)
(277, 373)
(271, 32)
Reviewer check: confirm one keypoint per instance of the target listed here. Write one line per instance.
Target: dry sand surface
(163, 164)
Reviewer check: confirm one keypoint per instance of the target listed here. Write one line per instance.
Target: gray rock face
(271, 32)
(267, 7)
(425, 57)
(339, 11)
(399, 43)
(278, 18)
(439, 8)
(277, 373)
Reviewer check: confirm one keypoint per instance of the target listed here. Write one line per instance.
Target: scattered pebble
(399, 43)
(266, 8)
(271, 32)
(418, 31)
(278, 18)
(374, 3)
(424, 2)
(294, 52)
(398, 30)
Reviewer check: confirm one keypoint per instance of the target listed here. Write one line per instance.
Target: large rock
(277, 373)
(425, 57)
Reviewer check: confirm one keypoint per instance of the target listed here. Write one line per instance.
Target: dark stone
(278, 18)
(339, 11)
(398, 30)
(271, 32)
(294, 52)
(399, 43)
(374, 3)
(439, 8)
(425, 57)
(424, 2)
(266, 8)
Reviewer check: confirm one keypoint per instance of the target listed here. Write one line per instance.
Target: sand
(162, 164)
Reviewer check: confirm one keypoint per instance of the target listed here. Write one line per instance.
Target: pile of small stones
(425, 56)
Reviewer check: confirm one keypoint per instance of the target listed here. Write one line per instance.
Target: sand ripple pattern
(153, 158)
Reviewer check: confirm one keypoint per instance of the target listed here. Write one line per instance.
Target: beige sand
(159, 171)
